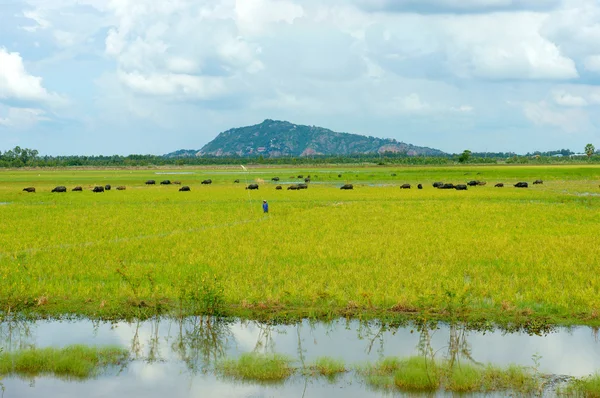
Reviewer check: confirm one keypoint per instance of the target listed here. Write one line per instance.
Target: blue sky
(149, 76)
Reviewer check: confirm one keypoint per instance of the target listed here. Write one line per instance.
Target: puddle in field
(4, 203)
(177, 358)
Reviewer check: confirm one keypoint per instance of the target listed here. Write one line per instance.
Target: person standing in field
(265, 206)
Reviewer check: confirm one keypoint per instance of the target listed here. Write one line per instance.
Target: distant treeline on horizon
(24, 157)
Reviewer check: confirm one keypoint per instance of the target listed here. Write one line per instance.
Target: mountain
(273, 138)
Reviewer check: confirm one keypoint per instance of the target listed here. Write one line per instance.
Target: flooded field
(179, 358)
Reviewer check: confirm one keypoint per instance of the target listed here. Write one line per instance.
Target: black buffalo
(77, 189)
(521, 185)
(278, 187)
(437, 184)
(460, 187)
(292, 188)
(405, 186)
(300, 176)
(302, 186)
(252, 186)
(307, 180)
(499, 185)
(29, 189)
(347, 186)
(275, 179)
(184, 189)
(538, 182)
(420, 186)
(107, 187)
(446, 186)
(473, 183)
(60, 189)
(98, 189)
(165, 182)
(393, 174)
(236, 182)
(121, 188)
(150, 182)
(206, 182)
(339, 176)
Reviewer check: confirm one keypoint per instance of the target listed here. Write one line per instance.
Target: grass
(263, 368)
(420, 374)
(505, 255)
(327, 367)
(586, 387)
(73, 362)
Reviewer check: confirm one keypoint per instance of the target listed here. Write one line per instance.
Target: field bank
(488, 253)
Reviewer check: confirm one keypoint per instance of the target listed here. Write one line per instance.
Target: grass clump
(266, 368)
(418, 374)
(327, 367)
(586, 387)
(76, 361)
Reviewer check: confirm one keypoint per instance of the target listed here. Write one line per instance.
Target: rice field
(494, 254)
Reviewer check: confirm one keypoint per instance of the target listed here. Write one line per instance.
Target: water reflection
(167, 350)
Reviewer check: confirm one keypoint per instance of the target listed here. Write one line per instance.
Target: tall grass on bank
(588, 387)
(496, 253)
(73, 362)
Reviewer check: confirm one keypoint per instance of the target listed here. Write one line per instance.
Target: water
(177, 358)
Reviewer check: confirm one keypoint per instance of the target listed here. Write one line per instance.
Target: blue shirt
(266, 207)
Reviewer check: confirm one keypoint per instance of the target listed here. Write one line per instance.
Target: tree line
(25, 157)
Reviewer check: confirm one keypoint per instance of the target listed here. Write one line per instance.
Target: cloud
(569, 120)
(569, 100)
(18, 85)
(592, 63)
(455, 6)
(21, 118)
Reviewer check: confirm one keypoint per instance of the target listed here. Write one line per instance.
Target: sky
(93, 77)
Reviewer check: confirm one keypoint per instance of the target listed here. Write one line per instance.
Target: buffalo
(521, 185)
(446, 186)
(300, 176)
(98, 189)
(107, 187)
(278, 187)
(420, 186)
(60, 189)
(393, 174)
(121, 188)
(473, 183)
(29, 189)
(339, 176)
(405, 186)
(302, 186)
(460, 187)
(150, 182)
(275, 179)
(236, 182)
(499, 185)
(292, 188)
(538, 182)
(77, 189)
(307, 180)
(206, 182)
(252, 186)
(165, 182)
(176, 182)
(185, 188)
(437, 184)
(481, 183)
(347, 186)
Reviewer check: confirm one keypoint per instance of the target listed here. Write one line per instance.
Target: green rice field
(493, 254)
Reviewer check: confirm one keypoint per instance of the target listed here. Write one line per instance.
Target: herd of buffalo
(293, 187)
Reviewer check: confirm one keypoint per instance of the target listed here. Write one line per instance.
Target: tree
(589, 150)
(465, 156)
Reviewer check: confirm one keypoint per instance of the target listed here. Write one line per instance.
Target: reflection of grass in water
(328, 367)
(421, 374)
(586, 387)
(76, 361)
(266, 368)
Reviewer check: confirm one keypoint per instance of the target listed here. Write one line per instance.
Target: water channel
(176, 358)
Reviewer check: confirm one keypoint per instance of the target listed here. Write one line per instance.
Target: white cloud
(21, 118)
(174, 85)
(17, 84)
(592, 63)
(569, 120)
(254, 16)
(565, 99)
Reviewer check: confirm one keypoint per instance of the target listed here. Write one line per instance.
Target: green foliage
(328, 367)
(76, 362)
(465, 156)
(588, 387)
(589, 150)
(266, 368)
